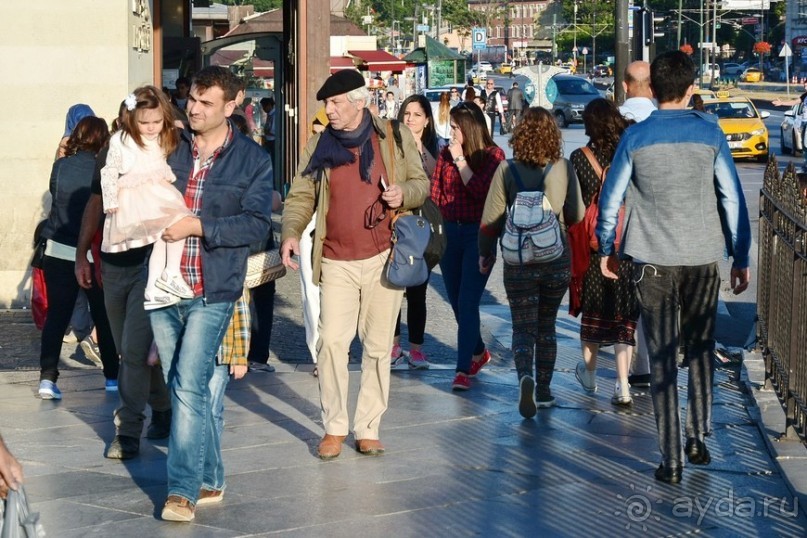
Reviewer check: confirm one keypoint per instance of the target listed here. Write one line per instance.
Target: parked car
(752, 74)
(792, 131)
(743, 125)
(602, 71)
(707, 70)
(484, 67)
(730, 69)
(433, 94)
(505, 69)
(569, 95)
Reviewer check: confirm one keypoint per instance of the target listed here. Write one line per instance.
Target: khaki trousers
(355, 295)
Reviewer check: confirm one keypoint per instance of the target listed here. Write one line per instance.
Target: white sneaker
(587, 379)
(175, 285)
(155, 300)
(621, 395)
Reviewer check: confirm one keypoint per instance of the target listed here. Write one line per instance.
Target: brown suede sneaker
(210, 496)
(178, 509)
(369, 447)
(330, 447)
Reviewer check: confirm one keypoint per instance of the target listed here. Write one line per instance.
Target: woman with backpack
(460, 183)
(536, 287)
(609, 307)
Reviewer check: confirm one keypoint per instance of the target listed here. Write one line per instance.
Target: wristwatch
(459, 159)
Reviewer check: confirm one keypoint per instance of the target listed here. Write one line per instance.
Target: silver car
(571, 95)
(792, 131)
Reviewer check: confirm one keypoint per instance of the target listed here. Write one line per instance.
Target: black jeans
(415, 313)
(663, 292)
(62, 290)
(263, 309)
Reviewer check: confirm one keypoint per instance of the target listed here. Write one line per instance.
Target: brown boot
(330, 446)
(369, 447)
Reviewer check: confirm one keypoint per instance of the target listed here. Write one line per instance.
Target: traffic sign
(479, 37)
(584, 52)
(785, 52)
(747, 21)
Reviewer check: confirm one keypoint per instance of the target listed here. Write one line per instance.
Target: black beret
(341, 82)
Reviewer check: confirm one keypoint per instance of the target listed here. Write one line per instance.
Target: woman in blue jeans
(460, 185)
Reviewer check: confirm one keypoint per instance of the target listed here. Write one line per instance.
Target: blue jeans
(664, 294)
(214, 466)
(188, 336)
(464, 287)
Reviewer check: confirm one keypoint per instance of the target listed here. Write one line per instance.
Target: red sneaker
(477, 365)
(461, 382)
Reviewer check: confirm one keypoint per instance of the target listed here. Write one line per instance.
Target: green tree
(260, 5)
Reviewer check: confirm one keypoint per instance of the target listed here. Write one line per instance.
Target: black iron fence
(782, 292)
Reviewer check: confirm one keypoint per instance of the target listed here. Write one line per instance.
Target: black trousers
(663, 292)
(263, 310)
(62, 290)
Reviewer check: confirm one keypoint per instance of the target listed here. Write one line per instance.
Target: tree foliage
(260, 5)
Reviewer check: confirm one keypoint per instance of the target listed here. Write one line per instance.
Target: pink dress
(138, 182)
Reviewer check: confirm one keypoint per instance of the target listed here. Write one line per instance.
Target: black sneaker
(123, 447)
(526, 401)
(160, 427)
(670, 474)
(639, 380)
(696, 452)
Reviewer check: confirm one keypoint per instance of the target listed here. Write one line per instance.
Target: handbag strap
(393, 214)
(595, 164)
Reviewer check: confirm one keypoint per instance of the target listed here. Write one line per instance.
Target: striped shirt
(191, 264)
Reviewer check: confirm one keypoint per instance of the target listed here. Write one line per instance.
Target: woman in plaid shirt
(459, 187)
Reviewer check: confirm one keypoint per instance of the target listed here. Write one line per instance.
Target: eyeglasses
(374, 215)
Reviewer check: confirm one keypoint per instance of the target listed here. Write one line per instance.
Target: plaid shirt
(191, 264)
(235, 345)
(459, 202)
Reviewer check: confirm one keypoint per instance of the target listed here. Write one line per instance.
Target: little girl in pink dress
(139, 198)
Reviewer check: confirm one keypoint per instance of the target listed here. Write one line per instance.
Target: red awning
(378, 60)
(341, 62)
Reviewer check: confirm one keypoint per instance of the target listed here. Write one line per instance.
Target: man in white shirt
(637, 107)
(639, 103)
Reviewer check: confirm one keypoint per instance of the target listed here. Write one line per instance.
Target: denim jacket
(684, 204)
(236, 210)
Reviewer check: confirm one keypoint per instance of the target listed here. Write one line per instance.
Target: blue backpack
(531, 230)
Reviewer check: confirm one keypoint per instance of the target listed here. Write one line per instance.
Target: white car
(484, 67)
(792, 131)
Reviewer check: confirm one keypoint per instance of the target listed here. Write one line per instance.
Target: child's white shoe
(154, 300)
(175, 285)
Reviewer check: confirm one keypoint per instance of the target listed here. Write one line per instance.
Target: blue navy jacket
(684, 204)
(236, 210)
(70, 181)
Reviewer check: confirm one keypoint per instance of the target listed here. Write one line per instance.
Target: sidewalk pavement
(457, 464)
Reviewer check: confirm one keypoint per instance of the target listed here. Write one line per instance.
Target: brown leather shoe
(330, 446)
(369, 447)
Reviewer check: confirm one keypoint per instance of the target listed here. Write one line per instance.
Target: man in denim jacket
(684, 208)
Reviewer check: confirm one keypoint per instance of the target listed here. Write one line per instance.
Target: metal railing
(782, 293)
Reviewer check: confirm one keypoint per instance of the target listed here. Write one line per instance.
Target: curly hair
(476, 138)
(150, 97)
(90, 134)
(536, 139)
(215, 75)
(604, 126)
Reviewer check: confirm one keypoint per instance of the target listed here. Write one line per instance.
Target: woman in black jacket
(70, 189)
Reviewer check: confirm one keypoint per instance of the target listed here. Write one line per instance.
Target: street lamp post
(574, 47)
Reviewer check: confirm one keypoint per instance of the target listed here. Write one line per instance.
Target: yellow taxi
(743, 125)
(752, 74)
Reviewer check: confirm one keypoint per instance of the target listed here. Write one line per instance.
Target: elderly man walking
(345, 176)
(684, 206)
(639, 103)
